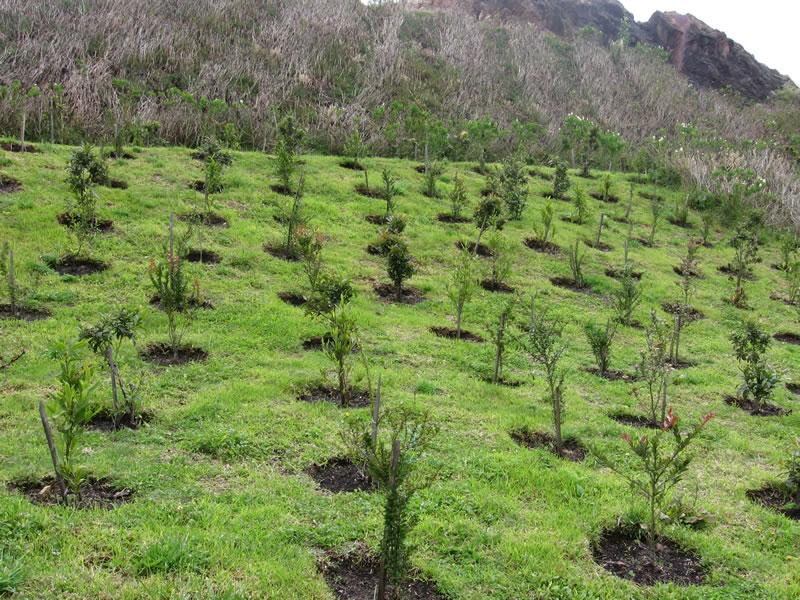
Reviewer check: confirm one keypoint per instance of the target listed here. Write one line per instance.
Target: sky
(767, 28)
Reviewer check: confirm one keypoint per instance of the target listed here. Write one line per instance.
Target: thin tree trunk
(48, 433)
(113, 368)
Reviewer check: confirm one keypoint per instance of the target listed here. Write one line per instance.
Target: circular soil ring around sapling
(376, 219)
(693, 274)
(317, 343)
(9, 185)
(340, 475)
(794, 388)
(408, 295)
(452, 334)
(369, 192)
(731, 272)
(615, 273)
(292, 299)
(78, 266)
(624, 553)
(571, 448)
(104, 421)
(504, 382)
(200, 255)
(281, 252)
(610, 199)
(281, 189)
(601, 246)
(116, 184)
(776, 497)
(199, 185)
(634, 420)
(611, 374)
(353, 165)
(569, 284)
(193, 303)
(448, 218)
(70, 220)
(764, 409)
(324, 393)
(542, 246)
(788, 337)
(95, 493)
(162, 354)
(17, 147)
(496, 286)
(354, 577)
(211, 219)
(691, 314)
(681, 224)
(482, 250)
(23, 313)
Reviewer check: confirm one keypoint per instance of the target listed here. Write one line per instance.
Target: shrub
(355, 148)
(599, 234)
(310, 244)
(457, 197)
(707, 224)
(433, 171)
(74, 406)
(487, 214)
(789, 246)
(331, 290)
(546, 228)
(793, 474)
(629, 205)
(8, 272)
(688, 270)
(660, 467)
(392, 450)
(85, 170)
(606, 191)
(389, 191)
(627, 298)
(653, 367)
(680, 212)
(759, 380)
(338, 345)
(580, 212)
(462, 286)
(576, 265)
(105, 339)
(399, 265)
(544, 343)
(212, 181)
(600, 340)
(745, 246)
(560, 181)
(287, 150)
(514, 187)
(294, 219)
(500, 260)
(499, 338)
(656, 212)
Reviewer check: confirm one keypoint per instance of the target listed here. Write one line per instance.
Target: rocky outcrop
(705, 55)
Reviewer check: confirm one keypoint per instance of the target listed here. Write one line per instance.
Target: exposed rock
(705, 55)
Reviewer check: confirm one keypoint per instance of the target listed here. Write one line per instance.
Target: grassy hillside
(222, 504)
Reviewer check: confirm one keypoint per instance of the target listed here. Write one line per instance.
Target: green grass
(222, 506)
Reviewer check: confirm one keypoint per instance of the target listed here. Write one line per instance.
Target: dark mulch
(193, 303)
(483, 249)
(201, 255)
(690, 314)
(764, 410)
(634, 420)
(625, 554)
(317, 343)
(116, 184)
(8, 184)
(211, 219)
(408, 295)
(95, 493)
(325, 393)
(542, 246)
(17, 147)
(121, 155)
(280, 251)
(292, 299)
(368, 192)
(161, 354)
(78, 265)
(602, 246)
(649, 196)
(420, 169)
(496, 286)
(376, 250)
(340, 475)
(451, 333)
(776, 497)
(376, 219)
(682, 272)
(615, 273)
(104, 421)
(681, 224)
(794, 388)
(355, 577)
(223, 159)
(729, 270)
(645, 242)
(781, 298)
(788, 338)
(571, 450)
(281, 189)
(200, 186)
(353, 165)
(23, 313)
(569, 284)
(610, 199)
(611, 374)
(505, 382)
(682, 363)
(448, 218)
(70, 220)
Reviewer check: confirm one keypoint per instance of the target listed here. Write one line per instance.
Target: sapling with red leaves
(463, 285)
(545, 345)
(74, 406)
(662, 462)
(399, 265)
(105, 338)
(654, 368)
(600, 341)
(759, 379)
(338, 344)
(457, 197)
(393, 448)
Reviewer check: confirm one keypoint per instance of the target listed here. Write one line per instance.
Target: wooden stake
(376, 411)
(48, 433)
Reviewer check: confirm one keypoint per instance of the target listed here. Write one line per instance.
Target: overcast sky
(767, 28)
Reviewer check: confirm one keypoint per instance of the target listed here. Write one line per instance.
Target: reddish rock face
(706, 56)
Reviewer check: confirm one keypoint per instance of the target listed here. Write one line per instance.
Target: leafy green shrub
(580, 207)
(514, 187)
(433, 170)
(789, 247)
(8, 272)
(488, 213)
(606, 190)
(287, 151)
(212, 181)
(463, 285)
(389, 191)
(656, 212)
(500, 261)
(576, 265)
(600, 340)
(680, 212)
(399, 265)
(294, 220)
(331, 290)
(338, 345)
(745, 246)
(457, 197)
(759, 380)
(85, 170)
(560, 181)
(546, 228)
(653, 368)
(627, 297)
(793, 474)
(355, 148)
